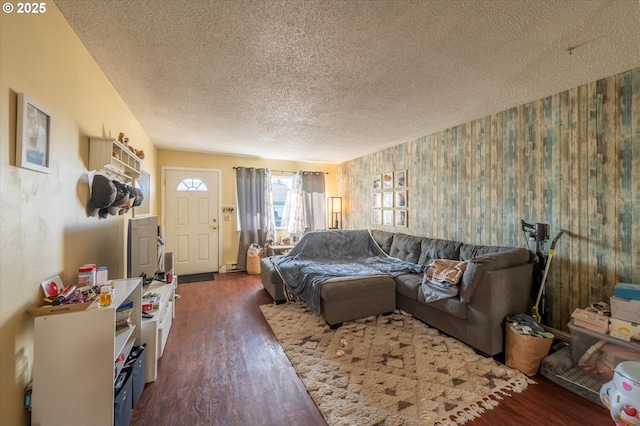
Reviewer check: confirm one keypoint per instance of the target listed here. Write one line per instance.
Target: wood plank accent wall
(571, 160)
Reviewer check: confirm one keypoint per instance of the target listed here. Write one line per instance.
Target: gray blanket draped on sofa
(323, 255)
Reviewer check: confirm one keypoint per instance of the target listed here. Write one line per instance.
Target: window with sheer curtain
(265, 202)
(306, 207)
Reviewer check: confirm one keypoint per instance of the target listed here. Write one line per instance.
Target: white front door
(191, 219)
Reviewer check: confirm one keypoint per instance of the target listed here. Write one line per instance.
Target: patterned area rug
(389, 370)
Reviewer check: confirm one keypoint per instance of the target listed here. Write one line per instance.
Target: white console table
(156, 330)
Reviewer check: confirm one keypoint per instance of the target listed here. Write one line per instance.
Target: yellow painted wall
(225, 164)
(44, 229)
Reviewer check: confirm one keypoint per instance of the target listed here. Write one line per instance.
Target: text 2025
(31, 8)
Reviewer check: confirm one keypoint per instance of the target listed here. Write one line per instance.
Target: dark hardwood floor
(223, 366)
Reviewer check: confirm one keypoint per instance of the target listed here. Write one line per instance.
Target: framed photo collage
(389, 199)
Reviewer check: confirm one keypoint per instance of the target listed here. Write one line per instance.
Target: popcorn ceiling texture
(332, 81)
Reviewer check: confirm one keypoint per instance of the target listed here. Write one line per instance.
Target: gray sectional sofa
(496, 284)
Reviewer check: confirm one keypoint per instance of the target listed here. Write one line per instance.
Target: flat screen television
(142, 247)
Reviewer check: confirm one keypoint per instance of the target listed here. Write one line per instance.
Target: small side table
(278, 249)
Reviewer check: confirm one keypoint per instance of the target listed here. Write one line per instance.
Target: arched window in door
(191, 184)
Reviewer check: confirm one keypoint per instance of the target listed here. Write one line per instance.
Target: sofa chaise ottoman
(341, 299)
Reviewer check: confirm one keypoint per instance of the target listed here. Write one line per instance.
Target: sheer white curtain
(255, 209)
(307, 203)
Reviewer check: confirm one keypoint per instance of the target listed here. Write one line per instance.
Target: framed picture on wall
(387, 217)
(400, 179)
(376, 217)
(387, 200)
(33, 136)
(400, 199)
(376, 183)
(387, 180)
(376, 200)
(400, 218)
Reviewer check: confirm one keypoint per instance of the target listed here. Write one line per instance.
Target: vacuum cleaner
(537, 236)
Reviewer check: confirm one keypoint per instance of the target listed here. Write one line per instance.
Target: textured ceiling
(335, 80)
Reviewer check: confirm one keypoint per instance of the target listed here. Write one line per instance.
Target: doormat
(195, 278)
(389, 370)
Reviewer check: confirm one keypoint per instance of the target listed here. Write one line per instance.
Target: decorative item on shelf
(125, 141)
(335, 212)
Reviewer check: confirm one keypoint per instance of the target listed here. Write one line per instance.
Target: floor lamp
(335, 212)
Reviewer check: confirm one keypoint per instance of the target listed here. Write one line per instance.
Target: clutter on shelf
(59, 298)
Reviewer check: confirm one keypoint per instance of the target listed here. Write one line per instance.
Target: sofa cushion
(432, 248)
(408, 285)
(383, 238)
(488, 259)
(452, 305)
(406, 247)
(470, 251)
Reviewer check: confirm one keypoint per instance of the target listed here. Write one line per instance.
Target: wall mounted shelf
(114, 159)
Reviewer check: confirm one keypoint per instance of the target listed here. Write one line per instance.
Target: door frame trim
(164, 199)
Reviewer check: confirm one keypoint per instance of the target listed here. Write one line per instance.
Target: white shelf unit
(76, 360)
(101, 157)
(156, 330)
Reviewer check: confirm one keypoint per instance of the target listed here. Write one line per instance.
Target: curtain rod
(278, 171)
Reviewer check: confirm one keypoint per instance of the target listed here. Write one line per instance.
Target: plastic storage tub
(583, 340)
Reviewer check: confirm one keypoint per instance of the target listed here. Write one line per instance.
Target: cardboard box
(627, 291)
(591, 320)
(625, 330)
(60, 309)
(625, 309)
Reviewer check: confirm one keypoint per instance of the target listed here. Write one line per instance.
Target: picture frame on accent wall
(387, 217)
(33, 135)
(376, 183)
(400, 178)
(387, 180)
(400, 217)
(400, 199)
(387, 200)
(376, 217)
(376, 200)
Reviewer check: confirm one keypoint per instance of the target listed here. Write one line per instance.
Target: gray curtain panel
(255, 209)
